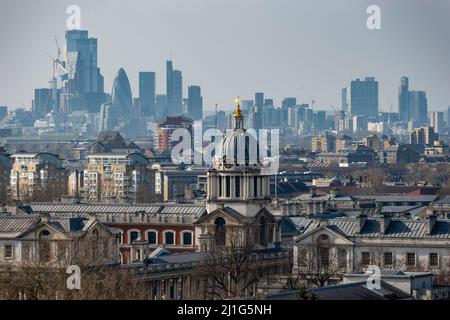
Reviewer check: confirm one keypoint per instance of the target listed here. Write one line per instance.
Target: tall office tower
(108, 118)
(82, 85)
(360, 123)
(339, 121)
(320, 120)
(42, 103)
(3, 111)
(246, 105)
(403, 100)
(418, 107)
(122, 99)
(344, 99)
(147, 93)
(195, 103)
(259, 99)
(292, 116)
(161, 103)
(448, 117)
(268, 102)
(174, 82)
(362, 97)
(288, 102)
(437, 121)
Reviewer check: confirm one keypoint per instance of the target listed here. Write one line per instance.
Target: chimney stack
(432, 219)
(362, 218)
(385, 220)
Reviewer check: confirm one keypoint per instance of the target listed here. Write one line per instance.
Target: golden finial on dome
(237, 113)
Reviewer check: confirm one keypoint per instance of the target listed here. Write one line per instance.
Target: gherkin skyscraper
(122, 99)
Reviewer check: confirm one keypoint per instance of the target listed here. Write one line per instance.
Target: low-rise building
(33, 240)
(117, 177)
(37, 177)
(353, 244)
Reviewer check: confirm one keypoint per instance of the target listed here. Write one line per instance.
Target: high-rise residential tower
(362, 97)
(437, 121)
(403, 100)
(418, 107)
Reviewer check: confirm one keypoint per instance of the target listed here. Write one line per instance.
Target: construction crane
(313, 101)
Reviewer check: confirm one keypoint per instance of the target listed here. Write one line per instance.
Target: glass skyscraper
(83, 86)
(195, 103)
(147, 93)
(174, 82)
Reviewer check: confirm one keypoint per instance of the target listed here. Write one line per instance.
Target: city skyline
(297, 63)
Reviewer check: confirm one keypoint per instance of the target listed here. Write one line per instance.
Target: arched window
(134, 235)
(323, 248)
(238, 187)
(44, 234)
(220, 232)
(152, 237)
(95, 232)
(169, 238)
(187, 238)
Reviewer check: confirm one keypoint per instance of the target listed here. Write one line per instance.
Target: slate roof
(398, 228)
(328, 197)
(84, 208)
(301, 223)
(348, 291)
(17, 224)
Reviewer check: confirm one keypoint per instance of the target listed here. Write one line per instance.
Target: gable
(336, 238)
(33, 233)
(229, 215)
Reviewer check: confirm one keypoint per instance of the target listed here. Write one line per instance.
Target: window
(228, 186)
(44, 246)
(134, 235)
(388, 259)
(152, 237)
(187, 238)
(410, 259)
(303, 257)
(342, 258)
(263, 231)
(255, 187)
(434, 259)
(8, 251)
(238, 187)
(365, 257)
(169, 238)
(220, 232)
(220, 187)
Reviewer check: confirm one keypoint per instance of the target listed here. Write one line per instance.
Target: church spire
(237, 115)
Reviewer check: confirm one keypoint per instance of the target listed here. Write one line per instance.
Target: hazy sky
(238, 47)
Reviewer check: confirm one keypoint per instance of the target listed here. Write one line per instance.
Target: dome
(238, 148)
(122, 99)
